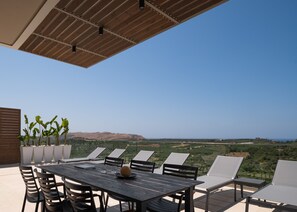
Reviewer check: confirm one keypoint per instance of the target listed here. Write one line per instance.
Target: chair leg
(36, 207)
(121, 209)
(248, 199)
(206, 201)
(106, 202)
(24, 203)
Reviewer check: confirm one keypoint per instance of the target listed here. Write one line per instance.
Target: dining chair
(32, 193)
(145, 166)
(81, 197)
(52, 196)
(111, 161)
(182, 171)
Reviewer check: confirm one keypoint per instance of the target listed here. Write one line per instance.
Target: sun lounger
(175, 159)
(283, 188)
(92, 156)
(222, 172)
(116, 153)
(143, 155)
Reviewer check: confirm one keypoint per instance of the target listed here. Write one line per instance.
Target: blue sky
(228, 73)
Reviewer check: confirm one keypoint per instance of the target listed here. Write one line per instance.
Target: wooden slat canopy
(76, 23)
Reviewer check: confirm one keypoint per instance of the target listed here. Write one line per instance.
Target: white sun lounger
(143, 155)
(92, 156)
(283, 188)
(222, 172)
(116, 153)
(173, 158)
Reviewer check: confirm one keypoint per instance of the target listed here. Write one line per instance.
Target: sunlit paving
(148, 106)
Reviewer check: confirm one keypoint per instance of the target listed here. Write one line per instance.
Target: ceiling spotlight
(74, 48)
(141, 4)
(101, 30)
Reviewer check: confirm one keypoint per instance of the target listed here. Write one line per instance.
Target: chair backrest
(285, 173)
(146, 166)
(116, 153)
(183, 171)
(27, 173)
(176, 158)
(50, 191)
(225, 166)
(80, 197)
(96, 153)
(114, 161)
(143, 155)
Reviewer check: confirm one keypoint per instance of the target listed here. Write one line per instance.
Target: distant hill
(106, 136)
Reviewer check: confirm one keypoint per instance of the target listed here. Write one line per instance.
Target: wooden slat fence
(10, 121)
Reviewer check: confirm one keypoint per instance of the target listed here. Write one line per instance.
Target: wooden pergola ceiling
(76, 23)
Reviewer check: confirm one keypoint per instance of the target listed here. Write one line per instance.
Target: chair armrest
(60, 184)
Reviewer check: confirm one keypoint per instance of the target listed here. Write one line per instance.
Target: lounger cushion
(276, 193)
(212, 182)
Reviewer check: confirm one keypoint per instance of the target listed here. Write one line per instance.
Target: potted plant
(37, 135)
(32, 150)
(26, 147)
(47, 132)
(67, 147)
(58, 150)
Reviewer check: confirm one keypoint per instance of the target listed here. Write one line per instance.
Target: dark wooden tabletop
(144, 187)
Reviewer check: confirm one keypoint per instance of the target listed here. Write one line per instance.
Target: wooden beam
(163, 13)
(92, 24)
(68, 44)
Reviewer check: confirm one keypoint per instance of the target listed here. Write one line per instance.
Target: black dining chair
(81, 197)
(164, 205)
(145, 166)
(114, 161)
(52, 196)
(111, 161)
(32, 193)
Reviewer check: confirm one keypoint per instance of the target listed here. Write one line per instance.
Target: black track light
(101, 30)
(74, 48)
(141, 4)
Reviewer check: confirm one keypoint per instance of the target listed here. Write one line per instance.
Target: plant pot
(26, 154)
(48, 154)
(58, 153)
(66, 151)
(38, 154)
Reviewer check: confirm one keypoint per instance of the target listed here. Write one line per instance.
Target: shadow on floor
(219, 201)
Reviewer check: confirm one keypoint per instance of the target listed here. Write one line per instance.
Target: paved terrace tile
(12, 190)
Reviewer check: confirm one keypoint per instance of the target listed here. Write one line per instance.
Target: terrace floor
(12, 191)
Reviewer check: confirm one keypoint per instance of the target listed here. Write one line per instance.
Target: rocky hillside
(106, 136)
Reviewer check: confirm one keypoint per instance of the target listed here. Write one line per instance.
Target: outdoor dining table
(141, 189)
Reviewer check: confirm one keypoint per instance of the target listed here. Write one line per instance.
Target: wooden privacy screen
(10, 120)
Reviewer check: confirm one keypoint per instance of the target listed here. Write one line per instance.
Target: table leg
(189, 205)
(234, 192)
(241, 189)
(140, 206)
